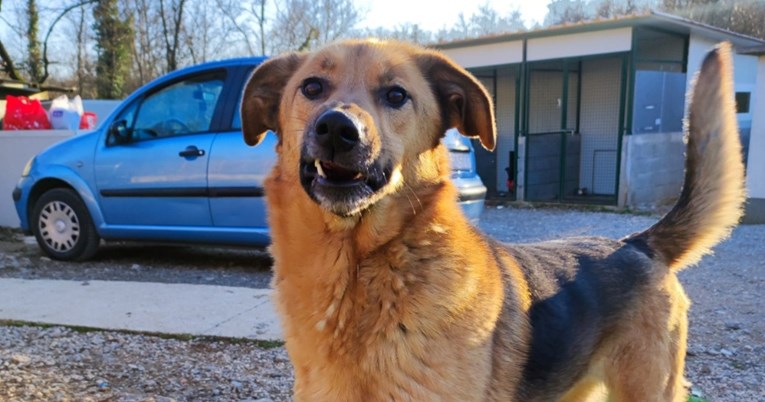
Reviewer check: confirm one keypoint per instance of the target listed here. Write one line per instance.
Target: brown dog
(387, 293)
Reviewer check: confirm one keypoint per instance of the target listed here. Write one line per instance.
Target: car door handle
(191, 151)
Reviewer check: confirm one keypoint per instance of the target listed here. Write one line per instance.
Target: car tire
(63, 227)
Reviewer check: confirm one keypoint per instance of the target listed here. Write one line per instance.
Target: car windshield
(187, 106)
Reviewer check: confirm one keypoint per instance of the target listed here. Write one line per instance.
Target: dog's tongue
(336, 172)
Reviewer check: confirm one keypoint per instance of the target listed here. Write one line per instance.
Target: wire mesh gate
(498, 169)
(573, 129)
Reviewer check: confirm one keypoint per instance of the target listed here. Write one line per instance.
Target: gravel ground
(140, 263)
(726, 356)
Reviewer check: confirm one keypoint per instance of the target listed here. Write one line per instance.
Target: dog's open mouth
(336, 174)
(344, 190)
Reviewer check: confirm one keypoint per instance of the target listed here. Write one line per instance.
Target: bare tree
(25, 25)
(744, 16)
(147, 48)
(305, 24)
(204, 36)
(483, 22)
(615, 8)
(246, 23)
(335, 18)
(566, 11)
(293, 27)
(171, 16)
(258, 10)
(34, 54)
(405, 32)
(82, 63)
(13, 48)
(197, 34)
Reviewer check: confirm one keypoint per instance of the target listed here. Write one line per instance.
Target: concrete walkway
(176, 309)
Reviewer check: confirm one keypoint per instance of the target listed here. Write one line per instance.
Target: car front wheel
(63, 227)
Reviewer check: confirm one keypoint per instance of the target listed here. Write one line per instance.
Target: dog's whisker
(413, 193)
(411, 204)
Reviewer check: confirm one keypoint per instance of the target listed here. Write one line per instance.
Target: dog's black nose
(337, 131)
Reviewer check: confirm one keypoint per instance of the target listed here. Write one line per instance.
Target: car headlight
(28, 167)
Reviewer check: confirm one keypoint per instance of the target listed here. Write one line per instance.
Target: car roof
(211, 65)
(240, 61)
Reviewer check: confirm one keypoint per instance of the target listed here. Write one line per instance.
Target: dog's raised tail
(713, 194)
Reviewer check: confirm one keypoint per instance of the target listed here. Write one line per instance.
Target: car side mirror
(119, 133)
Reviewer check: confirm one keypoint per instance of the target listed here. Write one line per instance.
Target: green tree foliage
(114, 37)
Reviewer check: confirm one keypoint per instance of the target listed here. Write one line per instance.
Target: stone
(21, 359)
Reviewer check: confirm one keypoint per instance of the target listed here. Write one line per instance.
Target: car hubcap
(59, 226)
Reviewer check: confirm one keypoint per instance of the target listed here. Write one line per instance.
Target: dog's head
(357, 119)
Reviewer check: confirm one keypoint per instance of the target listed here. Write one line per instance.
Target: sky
(429, 15)
(432, 15)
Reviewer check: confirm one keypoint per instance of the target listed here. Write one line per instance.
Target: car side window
(236, 123)
(119, 132)
(185, 107)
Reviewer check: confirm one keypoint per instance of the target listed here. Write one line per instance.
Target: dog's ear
(464, 102)
(262, 95)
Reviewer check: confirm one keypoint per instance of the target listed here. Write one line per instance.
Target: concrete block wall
(654, 169)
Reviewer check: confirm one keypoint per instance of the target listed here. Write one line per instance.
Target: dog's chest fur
(380, 313)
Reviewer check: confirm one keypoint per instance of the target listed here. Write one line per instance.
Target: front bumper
(471, 196)
(21, 201)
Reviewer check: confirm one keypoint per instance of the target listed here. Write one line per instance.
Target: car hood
(77, 148)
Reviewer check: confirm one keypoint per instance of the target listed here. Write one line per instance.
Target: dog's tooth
(318, 168)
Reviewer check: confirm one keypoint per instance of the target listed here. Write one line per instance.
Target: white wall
(755, 182)
(697, 49)
(749, 76)
(546, 48)
(581, 44)
(744, 66)
(494, 54)
(16, 148)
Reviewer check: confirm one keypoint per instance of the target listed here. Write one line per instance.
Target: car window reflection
(186, 107)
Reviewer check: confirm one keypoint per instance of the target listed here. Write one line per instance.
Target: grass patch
(738, 365)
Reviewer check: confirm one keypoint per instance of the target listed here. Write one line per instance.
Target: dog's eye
(396, 96)
(312, 88)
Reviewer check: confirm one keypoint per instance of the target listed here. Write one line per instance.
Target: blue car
(169, 165)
